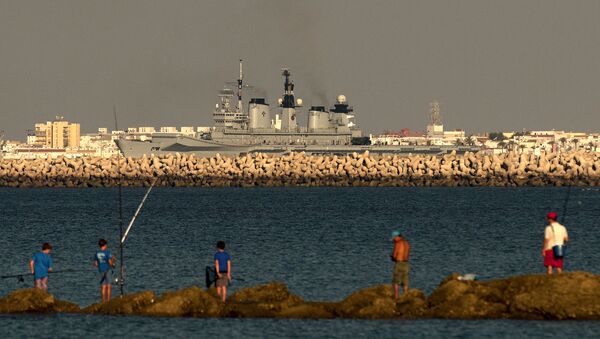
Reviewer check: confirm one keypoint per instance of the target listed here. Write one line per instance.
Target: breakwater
(299, 169)
(567, 296)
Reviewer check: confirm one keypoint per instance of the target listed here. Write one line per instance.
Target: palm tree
(575, 141)
(502, 145)
(471, 140)
(563, 141)
(511, 145)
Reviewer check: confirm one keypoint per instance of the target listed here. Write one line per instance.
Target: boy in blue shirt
(223, 269)
(105, 261)
(40, 265)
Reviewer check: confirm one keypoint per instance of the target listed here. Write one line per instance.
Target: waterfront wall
(470, 169)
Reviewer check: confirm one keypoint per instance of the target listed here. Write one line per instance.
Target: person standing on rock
(223, 269)
(554, 234)
(400, 255)
(40, 265)
(105, 261)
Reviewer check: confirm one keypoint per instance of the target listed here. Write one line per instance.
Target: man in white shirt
(555, 234)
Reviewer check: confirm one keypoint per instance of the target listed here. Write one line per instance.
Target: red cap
(552, 215)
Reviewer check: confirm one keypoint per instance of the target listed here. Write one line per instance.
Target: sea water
(323, 243)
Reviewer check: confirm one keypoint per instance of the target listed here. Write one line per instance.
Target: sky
(492, 65)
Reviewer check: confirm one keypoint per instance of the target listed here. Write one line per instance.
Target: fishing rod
(137, 212)
(123, 234)
(120, 199)
(21, 279)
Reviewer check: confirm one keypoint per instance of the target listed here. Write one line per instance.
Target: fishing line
(565, 205)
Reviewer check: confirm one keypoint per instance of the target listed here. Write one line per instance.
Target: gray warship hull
(255, 128)
(208, 148)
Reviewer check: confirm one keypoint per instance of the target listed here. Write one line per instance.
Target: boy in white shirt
(555, 234)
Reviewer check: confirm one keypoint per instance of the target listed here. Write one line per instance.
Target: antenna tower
(434, 113)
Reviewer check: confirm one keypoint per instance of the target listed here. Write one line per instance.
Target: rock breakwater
(568, 296)
(299, 169)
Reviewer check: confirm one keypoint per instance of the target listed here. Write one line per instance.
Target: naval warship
(239, 130)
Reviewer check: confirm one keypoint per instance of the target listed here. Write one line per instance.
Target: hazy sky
(493, 65)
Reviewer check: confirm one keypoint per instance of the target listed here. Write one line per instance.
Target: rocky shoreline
(299, 169)
(534, 297)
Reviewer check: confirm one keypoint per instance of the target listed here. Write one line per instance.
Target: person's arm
(217, 268)
(229, 269)
(546, 239)
(394, 252)
(407, 250)
(49, 264)
(31, 268)
(112, 261)
(566, 235)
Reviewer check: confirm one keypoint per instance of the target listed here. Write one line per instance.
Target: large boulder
(378, 302)
(309, 310)
(573, 295)
(465, 300)
(191, 301)
(412, 304)
(132, 304)
(261, 301)
(34, 300)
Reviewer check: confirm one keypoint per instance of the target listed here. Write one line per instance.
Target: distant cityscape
(60, 137)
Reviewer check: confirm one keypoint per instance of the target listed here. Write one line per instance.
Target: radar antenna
(434, 113)
(288, 87)
(240, 84)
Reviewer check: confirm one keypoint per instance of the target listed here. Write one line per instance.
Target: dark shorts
(401, 269)
(222, 281)
(105, 277)
(549, 260)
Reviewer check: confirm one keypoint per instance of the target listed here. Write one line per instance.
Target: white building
(168, 130)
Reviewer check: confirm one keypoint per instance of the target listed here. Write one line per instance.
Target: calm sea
(324, 243)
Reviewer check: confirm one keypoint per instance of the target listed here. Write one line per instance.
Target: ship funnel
(259, 114)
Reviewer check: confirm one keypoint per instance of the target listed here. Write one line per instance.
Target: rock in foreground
(568, 296)
(32, 300)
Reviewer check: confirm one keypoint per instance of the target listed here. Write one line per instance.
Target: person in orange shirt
(400, 256)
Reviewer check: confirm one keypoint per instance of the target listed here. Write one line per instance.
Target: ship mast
(240, 84)
(288, 87)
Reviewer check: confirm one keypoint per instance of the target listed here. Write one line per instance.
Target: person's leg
(406, 269)
(549, 270)
(219, 290)
(102, 288)
(559, 265)
(45, 283)
(38, 283)
(108, 291)
(224, 296)
(396, 280)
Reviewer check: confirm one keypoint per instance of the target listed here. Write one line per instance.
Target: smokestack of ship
(318, 119)
(259, 114)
